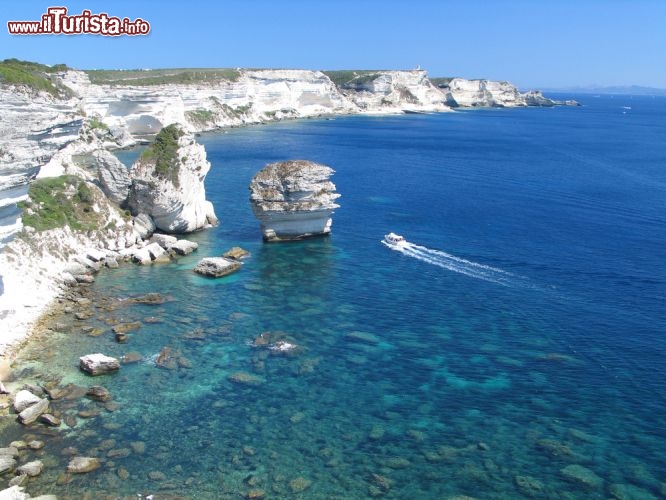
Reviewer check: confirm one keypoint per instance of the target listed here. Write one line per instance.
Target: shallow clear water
(521, 335)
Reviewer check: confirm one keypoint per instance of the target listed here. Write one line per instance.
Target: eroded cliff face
(394, 91)
(34, 266)
(172, 192)
(293, 199)
(254, 97)
(488, 93)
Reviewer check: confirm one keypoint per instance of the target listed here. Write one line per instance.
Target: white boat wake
(455, 264)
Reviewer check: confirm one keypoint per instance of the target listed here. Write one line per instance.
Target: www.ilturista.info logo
(57, 22)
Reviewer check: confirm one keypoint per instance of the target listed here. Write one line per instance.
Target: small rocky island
(293, 200)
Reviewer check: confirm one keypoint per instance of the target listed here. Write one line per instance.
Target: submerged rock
(236, 253)
(630, 492)
(31, 469)
(82, 465)
(126, 327)
(99, 393)
(245, 378)
(299, 484)
(582, 476)
(50, 420)
(216, 267)
(293, 200)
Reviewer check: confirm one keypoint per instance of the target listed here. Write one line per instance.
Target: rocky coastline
(46, 136)
(97, 215)
(68, 139)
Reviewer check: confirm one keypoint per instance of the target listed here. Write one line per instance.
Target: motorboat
(394, 240)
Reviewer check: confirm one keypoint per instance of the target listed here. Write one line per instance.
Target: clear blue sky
(533, 43)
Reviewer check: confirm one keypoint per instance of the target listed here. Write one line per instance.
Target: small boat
(394, 240)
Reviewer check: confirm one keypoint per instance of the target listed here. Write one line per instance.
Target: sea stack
(293, 200)
(168, 183)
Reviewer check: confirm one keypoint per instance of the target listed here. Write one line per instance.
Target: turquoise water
(516, 349)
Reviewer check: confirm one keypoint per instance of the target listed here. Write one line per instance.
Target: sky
(531, 43)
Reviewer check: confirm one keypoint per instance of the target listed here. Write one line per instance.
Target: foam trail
(455, 264)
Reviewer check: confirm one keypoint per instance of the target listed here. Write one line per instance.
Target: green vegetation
(33, 75)
(345, 77)
(96, 123)
(162, 76)
(58, 201)
(441, 82)
(201, 116)
(162, 153)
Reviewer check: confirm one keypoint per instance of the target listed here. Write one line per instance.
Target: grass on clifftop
(30, 74)
(343, 77)
(161, 76)
(441, 81)
(58, 201)
(163, 153)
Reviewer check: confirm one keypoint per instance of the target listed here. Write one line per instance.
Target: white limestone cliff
(32, 266)
(174, 198)
(395, 91)
(488, 93)
(293, 200)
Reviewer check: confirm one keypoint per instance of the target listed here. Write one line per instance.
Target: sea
(515, 347)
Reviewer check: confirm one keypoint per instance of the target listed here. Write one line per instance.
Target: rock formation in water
(293, 200)
(168, 183)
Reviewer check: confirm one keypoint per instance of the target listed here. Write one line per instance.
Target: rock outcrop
(168, 183)
(461, 92)
(293, 200)
(82, 465)
(216, 267)
(113, 176)
(98, 364)
(394, 91)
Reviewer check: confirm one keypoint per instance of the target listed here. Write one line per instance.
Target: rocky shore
(79, 222)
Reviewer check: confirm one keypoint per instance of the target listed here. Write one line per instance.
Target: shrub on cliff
(30, 74)
(59, 201)
(163, 154)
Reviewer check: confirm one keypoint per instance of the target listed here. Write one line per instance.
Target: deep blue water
(522, 339)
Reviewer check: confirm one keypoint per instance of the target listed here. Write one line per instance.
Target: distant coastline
(636, 90)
